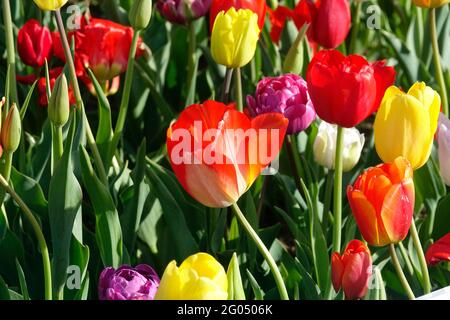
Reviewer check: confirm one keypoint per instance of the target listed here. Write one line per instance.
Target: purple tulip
(183, 11)
(286, 94)
(127, 283)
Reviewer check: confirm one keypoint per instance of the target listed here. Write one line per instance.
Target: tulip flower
(183, 11)
(439, 251)
(234, 37)
(430, 3)
(257, 6)
(444, 148)
(346, 90)
(351, 271)
(127, 283)
(50, 5)
(287, 94)
(217, 173)
(34, 43)
(411, 118)
(11, 130)
(332, 23)
(325, 146)
(199, 277)
(382, 201)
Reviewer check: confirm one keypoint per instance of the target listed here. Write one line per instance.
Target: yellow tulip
(430, 3)
(406, 123)
(50, 5)
(234, 37)
(200, 277)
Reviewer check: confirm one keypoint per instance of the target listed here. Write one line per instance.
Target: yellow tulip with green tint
(234, 37)
(430, 3)
(406, 123)
(50, 5)
(199, 277)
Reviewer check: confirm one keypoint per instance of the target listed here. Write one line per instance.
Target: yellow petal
(50, 5)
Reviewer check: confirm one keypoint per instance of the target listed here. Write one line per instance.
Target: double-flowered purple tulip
(286, 94)
(127, 283)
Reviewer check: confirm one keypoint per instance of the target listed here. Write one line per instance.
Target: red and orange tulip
(352, 270)
(382, 201)
(213, 155)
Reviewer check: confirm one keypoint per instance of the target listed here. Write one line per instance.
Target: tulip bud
(406, 123)
(352, 270)
(444, 148)
(325, 146)
(11, 130)
(59, 105)
(430, 3)
(140, 14)
(50, 5)
(200, 277)
(294, 59)
(234, 37)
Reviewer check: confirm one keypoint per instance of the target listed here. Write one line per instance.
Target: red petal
(439, 251)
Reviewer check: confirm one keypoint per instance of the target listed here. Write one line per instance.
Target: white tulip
(325, 146)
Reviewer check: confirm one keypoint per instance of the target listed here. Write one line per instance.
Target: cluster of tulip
(343, 91)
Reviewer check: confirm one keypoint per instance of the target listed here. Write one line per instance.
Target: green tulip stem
(10, 52)
(421, 256)
(5, 171)
(192, 64)
(401, 275)
(118, 131)
(264, 251)
(57, 143)
(227, 85)
(239, 97)
(327, 202)
(39, 235)
(437, 61)
(76, 88)
(337, 193)
(355, 29)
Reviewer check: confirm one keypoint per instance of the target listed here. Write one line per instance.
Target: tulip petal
(337, 270)
(439, 251)
(358, 268)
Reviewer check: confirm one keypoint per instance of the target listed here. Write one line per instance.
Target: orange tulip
(217, 152)
(352, 270)
(382, 201)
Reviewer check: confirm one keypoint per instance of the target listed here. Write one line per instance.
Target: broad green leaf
(22, 281)
(148, 228)
(235, 287)
(134, 211)
(257, 291)
(79, 259)
(65, 197)
(4, 292)
(107, 224)
(442, 218)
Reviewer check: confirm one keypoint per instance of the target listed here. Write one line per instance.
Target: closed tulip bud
(430, 3)
(200, 277)
(59, 104)
(11, 130)
(333, 23)
(140, 14)
(325, 146)
(50, 5)
(406, 123)
(382, 202)
(444, 148)
(351, 271)
(234, 37)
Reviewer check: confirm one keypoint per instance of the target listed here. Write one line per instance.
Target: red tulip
(257, 6)
(217, 152)
(346, 90)
(382, 201)
(101, 45)
(439, 251)
(333, 23)
(34, 43)
(352, 270)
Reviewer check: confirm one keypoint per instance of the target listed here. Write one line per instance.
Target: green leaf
(107, 224)
(170, 197)
(132, 217)
(442, 221)
(65, 197)
(4, 292)
(79, 257)
(148, 228)
(257, 291)
(26, 103)
(22, 281)
(235, 287)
